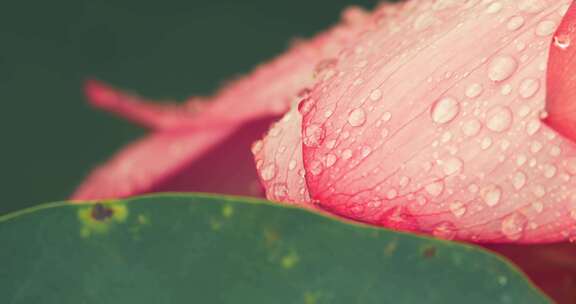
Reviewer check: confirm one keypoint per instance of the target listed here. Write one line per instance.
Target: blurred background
(165, 50)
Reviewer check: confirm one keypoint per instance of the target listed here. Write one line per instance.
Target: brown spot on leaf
(101, 212)
(429, 252)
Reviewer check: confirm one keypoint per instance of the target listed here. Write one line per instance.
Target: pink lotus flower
(445, 117)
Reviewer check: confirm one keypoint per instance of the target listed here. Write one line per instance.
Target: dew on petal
(313, 135)
(452, 166)
(519, 180)
(529, 87)
(562, 41)
(502, 68)
(357, 117)
(533, 126)
(491, 195)
(435, 188)
(545, 28)
(515, 23)
(499, 119)
(376, 95)
(471, 128)
(474, 90)
(268, 172)
(513, 226)
(457, 208)
(445, 110)
(331, 160)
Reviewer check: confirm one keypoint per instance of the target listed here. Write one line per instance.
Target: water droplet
(314, 135)
(316, 167)
(474, 90)
(506, 89)
(445, 110)
(268, 172)
(347, 154)
(444, 230)
(562, 41)
(535, 147)
(424, 21)
(494, 8)
(501, 68)
(331, 160)
(257, 147)
(499, 119)
(458, 209)
(545, 28)
(366, 151)
(357, 117)
(403, 182)
(305, 105)
(519, 180)
(452, 166)
(292, 164)
(491, 195)
(515, 23)
(533, 126)
(521, 160)
(391, 194)
(513, 226)
(376, 95)
(435, 188)
(538, 206)
(486, 143)
(550, 171)
(570, 165)
(471, 127)
(539, 191)
(279, 191)
(386, 116)
(531, 6)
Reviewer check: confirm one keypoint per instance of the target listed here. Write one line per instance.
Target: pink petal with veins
(435, 125)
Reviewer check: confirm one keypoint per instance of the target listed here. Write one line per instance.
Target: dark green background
(163, 49)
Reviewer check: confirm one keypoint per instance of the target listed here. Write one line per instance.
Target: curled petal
(210, 160)
(279, 161)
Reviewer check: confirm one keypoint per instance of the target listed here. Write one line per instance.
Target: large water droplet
(471, 127)
(545, 28)
(550, 171)
(316, 167)
(501, 68)
(268, 172)
(515, 23)
(376, 95)
(331, 160)
(529, 87)
(452, 166)
(531, 6)
(458, 209)
(357, 117)
(314, 135)
(499, 119)
(445, 110)
(435, 188)
(562, 41)
(519, 180)
(513, 226)
(494, 8)
(491, 195)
